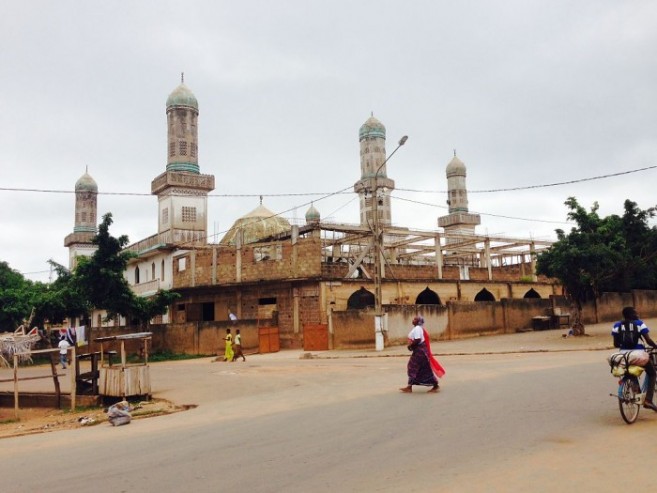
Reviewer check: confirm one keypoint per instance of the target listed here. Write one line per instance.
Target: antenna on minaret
(371, 113)
(182, 77)
(86, 169)
(454, 152)
(261, 200)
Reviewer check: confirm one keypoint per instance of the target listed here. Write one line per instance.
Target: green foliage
(600, 254)
(101, 280)
(98, 282)
(16, 295)
(144, 309)
(164, 356)
(61, 299)
(100, 276)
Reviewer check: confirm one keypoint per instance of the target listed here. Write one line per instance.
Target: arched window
(137, 275)
(360, 299)
(153, 271)
(162, 271)
(484, 295)
(531, 294)
(427, 297)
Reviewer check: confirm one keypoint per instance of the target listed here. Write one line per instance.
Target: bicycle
(631, 391)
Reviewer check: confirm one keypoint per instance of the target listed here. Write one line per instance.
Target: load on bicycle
(631, 362)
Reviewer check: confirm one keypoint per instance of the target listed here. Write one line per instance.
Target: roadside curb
(310, 355)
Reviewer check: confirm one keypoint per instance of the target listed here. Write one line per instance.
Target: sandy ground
(41, 420)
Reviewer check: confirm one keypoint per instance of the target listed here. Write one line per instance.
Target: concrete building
(306, 282)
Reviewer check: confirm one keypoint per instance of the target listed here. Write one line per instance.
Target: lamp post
(378, 253)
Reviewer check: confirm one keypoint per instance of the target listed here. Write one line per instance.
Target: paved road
(502, 422)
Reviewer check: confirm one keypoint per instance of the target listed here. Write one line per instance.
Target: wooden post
(16, 386)
(123, 365)
(73, 377)
(55, 379)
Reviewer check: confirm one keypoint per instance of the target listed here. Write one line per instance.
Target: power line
(545, 185)
(141, 194)
(313, 194)
(485, 213)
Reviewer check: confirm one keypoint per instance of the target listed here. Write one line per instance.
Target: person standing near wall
(63, 351)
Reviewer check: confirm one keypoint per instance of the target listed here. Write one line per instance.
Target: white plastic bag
(119, 413)
(637, 357)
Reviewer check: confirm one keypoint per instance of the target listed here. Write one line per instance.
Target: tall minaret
(372, 137)
(181, 190)
(79, 242)
(459, 221)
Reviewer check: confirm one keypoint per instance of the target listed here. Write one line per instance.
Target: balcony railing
(146, 288)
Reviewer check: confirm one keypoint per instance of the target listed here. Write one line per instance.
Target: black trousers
(651, 375)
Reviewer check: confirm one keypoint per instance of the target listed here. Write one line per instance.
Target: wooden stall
(123, 379)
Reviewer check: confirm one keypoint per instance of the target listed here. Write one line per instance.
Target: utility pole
(378, 254)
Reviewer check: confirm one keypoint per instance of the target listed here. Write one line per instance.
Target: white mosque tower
(372, 137)
(459, 221)
(79, 242)
(181, 190)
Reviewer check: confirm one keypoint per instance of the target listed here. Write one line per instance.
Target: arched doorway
(532, 294)
(360, 299)
(428, 297)
(484, 295)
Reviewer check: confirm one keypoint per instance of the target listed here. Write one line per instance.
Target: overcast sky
(527, 92)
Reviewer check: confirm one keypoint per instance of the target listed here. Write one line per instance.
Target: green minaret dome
(182, 96)
(312, 214)
(372, 128)
(86, 184)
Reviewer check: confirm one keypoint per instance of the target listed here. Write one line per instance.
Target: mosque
(319, 274)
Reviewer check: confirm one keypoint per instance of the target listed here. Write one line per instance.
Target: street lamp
(378, 254)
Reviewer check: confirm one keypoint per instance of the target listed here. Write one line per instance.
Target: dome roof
(86, 184)
(455, 167)
(312, 214)
(372, 128)
(256, 225)
(182, 96)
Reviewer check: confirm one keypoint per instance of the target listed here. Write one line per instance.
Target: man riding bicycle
(627, 335)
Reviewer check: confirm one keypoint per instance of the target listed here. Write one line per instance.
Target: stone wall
(263, 262)
(510, 273)
(355, 328)
(198, 338)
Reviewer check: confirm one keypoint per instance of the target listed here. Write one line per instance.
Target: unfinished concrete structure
(301, 280)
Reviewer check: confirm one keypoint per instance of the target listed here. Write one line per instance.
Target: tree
(101, 280)
(100, 276)
(16, 296)
(144, 309)
(60, 299)
(602, 254)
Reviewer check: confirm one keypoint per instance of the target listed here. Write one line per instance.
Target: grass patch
(164, 356)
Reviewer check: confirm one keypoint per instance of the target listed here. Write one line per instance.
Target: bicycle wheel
(628, 402)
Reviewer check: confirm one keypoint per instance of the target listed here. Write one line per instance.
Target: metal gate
(315, 337)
